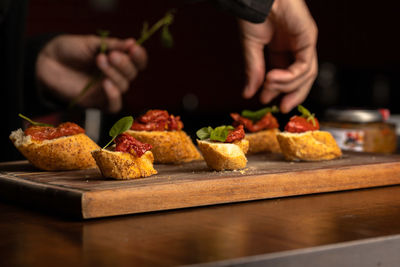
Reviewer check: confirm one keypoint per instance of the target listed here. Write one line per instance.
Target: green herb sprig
(164, 23)
(218, 134)
(257, 115)
(34, 122)
(96, 77)
(305, 113)
(166, 39)
(119, 127)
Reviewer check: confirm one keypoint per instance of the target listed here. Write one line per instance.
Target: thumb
(255, 67)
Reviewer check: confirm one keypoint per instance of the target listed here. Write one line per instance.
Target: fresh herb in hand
(119, 127)
(257, 115)
(305, 113)
(218, 134)
(98, 76)
(166, 39)
(34, 122)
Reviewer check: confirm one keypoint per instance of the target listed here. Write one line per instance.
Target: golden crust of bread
(121, 165)
(168, 146)
(309, 146)
(64, 153)
(263, 141)
(224, 156)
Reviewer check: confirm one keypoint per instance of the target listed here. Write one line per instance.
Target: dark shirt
(18, 91)
(12, 28)
(255, 11)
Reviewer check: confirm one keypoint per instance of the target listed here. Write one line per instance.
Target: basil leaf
(257, 115)
(34, 122)
(166, 37)
(220, 133)
(119, 127)
(306, 114)
(204, 133)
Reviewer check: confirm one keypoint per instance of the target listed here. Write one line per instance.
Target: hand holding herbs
(66, 64)
(109, 85)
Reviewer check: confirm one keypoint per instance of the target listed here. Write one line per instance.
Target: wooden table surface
(197, 235)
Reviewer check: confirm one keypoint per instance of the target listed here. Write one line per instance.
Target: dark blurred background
(201, 77)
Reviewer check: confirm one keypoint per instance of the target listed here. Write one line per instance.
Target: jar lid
(353, 115)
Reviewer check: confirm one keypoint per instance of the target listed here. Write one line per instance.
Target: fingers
(296, 88)
(136, 52)
(112, 73)
(291, 100)
(120, 66)
(138, 56)
(113, 95)
(255, 67)
(119, 44)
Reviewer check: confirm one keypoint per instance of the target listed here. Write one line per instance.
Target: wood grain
(87, 194)
(198, 235)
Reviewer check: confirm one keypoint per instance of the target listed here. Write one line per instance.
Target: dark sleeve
(255, 11)
(18, 86)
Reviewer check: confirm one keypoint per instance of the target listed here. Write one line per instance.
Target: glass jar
(360, 130)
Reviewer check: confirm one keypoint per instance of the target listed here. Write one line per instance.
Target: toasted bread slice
(263, 141)
(122, 165)
(64, 153)
(224, 156)
(168, 146)
(308, 146)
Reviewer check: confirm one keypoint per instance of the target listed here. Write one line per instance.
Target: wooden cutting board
(87, 194)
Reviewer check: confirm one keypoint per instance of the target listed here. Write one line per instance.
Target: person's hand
(68, 62)
(291, 35)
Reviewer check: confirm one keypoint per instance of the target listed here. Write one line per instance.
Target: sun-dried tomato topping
(157, 120)
(154, 115)
(41, 133)
(127, 143)
(235, 135)
(299, 124)
(266, 122)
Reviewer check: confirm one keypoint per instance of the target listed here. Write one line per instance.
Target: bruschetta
(224, 147)
(261, 128)
(302, 139)
(127, 159)
(65, 147)
(164, 133)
